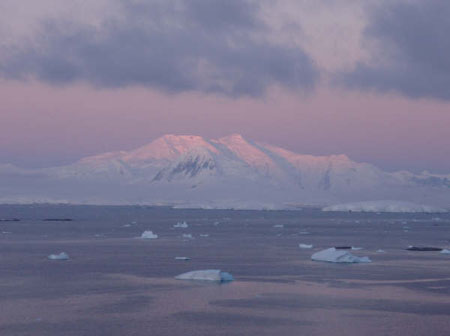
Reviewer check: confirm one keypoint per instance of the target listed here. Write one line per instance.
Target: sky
(370, 79)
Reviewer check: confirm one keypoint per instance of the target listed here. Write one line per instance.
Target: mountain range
(230, 172)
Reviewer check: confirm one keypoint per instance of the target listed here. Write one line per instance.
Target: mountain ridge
(189, 169)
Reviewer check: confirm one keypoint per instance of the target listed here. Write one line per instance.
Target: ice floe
(338, 256)
(60, 256)
(182, 258)
(187, 236)
(384, 206)
(445, 251)
(305, 246)
(206, 275)
(380, 251)
(182, 225)
(148, 235)
(204, 235)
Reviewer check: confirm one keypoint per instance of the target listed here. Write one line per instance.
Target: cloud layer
(175, 46)
(410, 46)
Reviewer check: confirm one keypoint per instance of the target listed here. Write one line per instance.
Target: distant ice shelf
(385, 206)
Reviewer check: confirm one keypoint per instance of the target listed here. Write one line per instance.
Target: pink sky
(314, 77)
(42, 125)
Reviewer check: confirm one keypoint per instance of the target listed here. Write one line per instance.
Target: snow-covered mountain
(228, 172)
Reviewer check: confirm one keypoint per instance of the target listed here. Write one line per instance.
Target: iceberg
(445, 251)
(148, 235)
(305, 246)
(338, 256)
(182, 225)
(182, 258)
(187, 236)
(384, 206)
(60, 256)
(206, 275)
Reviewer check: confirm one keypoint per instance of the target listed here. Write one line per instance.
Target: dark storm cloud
(411, 56)
(197, 45)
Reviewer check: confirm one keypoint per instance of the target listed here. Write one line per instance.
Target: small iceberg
(206, 275)
(148, 235)
(380, 251)
(182, 225)
(305, 246)
(61, 256)
(187, 236)
(182, 258)
(445, 251)
(338, 256)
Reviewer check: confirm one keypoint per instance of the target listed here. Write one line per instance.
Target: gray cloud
(410, 50)
(198, 45)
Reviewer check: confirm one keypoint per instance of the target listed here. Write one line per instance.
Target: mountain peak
(169, 147)
(232, 138)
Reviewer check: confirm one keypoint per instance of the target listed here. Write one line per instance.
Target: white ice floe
(380, 251)
(148, 235)
(338, 256)
(60, 256)
(182, 258)
(182, 225)
(187, 236)
(206, 275)
(356, 248)
(445, 251)
(204, 235)
(384, 206)
(305, 246)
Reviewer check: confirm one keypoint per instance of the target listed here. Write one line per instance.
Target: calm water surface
(117, 284)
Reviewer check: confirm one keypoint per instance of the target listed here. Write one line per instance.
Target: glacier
(188, 171)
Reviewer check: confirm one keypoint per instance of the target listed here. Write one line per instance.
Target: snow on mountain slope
(228, 172)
